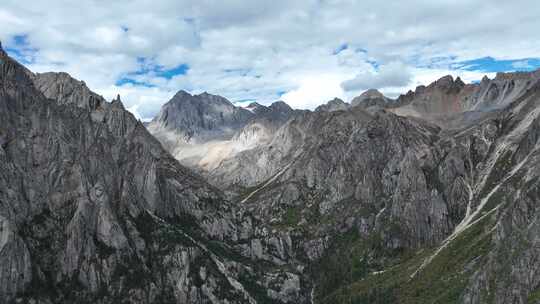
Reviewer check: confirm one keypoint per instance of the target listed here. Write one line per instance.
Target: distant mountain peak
(67, 90)
(280, 105)
(337, 100)
(335, 104)
(447, 95)
(181, 94)
(254, 105)
(372, 93)
(117, 102)
(200, 117)
(445, 79)
(371, 98)
(183, 97)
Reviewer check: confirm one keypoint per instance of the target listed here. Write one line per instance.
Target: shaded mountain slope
(349, 206)
(94, 210)
(412, 213)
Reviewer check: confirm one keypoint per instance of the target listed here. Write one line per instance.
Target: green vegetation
(292, 216)
(441, 281)
(352, 258)
(534, 297)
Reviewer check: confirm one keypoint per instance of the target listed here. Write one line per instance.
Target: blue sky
(490, 64)
(149, 68)
(302, 51)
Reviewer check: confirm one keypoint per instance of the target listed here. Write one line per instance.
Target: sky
(303, 52)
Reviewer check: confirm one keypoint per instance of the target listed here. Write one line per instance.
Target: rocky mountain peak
(335, 104)
(336, 100)
(447, 83)
(181, 94)
(256, 108)
(184, 99)
(520, 75)
(372, 93)
(67, 90)
(459, 81)
(2, 52)
(280, 106)
(199, 117)
(447, 96)
(371, 98)
(14, 74)
(117, 102)
(254, 105)
(445, 80)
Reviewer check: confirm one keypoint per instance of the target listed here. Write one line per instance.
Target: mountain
(448, 96)
(94, 210)
(335, 104)
(405, 208)
(406, 202)
(395, 209)
(373, 99)
(196, 118)
(203, 130)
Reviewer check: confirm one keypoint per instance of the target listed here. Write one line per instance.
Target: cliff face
(448, 96)
(387, 198)
(372, 99)
(355, 205)
(335, 104)
(417, 213)
(200, 117)
(94, 210)
(202, 131)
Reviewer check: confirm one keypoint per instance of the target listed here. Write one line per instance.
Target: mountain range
(431, 197)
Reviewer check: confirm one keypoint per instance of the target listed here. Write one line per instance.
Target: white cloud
(254, 50)
(393, 74)
(315, 90)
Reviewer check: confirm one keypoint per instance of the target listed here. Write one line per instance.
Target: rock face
(199, 118)
(447, 96)
(335, 104)
(372, 98)
(204, 130)
(94, 210)
(360, 205)
(402, 200)
(66, 90)
(400, 184)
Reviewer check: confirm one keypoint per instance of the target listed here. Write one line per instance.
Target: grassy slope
(442, 281)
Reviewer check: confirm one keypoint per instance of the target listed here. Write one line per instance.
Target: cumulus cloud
(314, 91)
(264, 50)
(393, 74)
